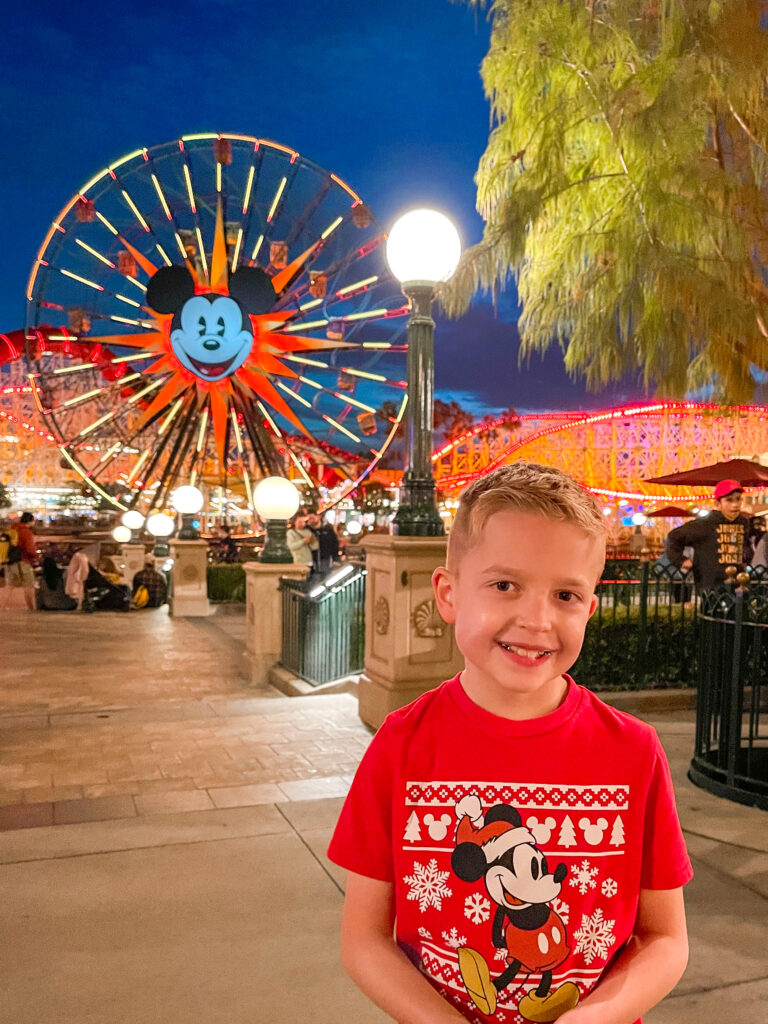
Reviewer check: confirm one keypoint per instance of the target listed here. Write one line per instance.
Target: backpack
(14, 554)
(141, 597)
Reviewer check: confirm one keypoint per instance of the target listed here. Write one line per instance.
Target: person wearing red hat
(511, 842)
(719, 539)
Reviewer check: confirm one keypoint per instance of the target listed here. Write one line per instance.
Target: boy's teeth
(523, 652)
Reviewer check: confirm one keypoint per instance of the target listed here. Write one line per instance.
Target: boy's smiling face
(520, 597)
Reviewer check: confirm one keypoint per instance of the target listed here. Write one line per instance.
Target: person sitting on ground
(51, 595)
(92, 590)
(109, 571)
(155, 585)
(719, 540)
(458, 795)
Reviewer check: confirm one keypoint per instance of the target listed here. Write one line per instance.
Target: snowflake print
(453, 939)
(584, 877)
(477, 908)
(609, 887)
(428, 885)
(594, 936)
(424, 933)
(561, 908)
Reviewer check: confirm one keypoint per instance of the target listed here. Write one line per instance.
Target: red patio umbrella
(748, 473)
(670, 512)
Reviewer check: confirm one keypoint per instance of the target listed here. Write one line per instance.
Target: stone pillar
(189, 579)
(264, 616)
(408, 647)
(132, 557)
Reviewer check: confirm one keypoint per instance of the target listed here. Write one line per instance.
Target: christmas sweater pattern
(479, 857)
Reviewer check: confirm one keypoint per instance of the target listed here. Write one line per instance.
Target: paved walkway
(164, 827)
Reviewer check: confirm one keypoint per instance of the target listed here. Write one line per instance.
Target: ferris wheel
(213, 310)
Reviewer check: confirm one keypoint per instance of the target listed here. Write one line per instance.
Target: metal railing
(324, 624)
(643, 632)
(731, 746)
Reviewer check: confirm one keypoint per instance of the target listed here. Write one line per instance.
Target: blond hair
(523, 487)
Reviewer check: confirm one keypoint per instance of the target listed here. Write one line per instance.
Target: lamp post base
(276, 548)
(417, 515)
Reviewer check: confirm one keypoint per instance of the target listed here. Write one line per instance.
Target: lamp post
(423, 249)
(188, 500)
(161, 526)
(275, 500)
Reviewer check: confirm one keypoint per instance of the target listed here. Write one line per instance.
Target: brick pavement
(113, 716)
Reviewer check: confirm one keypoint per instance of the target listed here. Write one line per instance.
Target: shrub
(226, 584)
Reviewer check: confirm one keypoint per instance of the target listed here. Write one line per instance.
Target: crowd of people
(57, 579)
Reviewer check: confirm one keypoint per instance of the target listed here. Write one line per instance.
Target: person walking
(719, 540)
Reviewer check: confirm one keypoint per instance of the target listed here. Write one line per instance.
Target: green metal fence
(731, 746)
(643, 634)
(324, 625)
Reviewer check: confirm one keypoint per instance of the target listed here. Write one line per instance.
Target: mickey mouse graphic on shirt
(503, 852)
(211, 334)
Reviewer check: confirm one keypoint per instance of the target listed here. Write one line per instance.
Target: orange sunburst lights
(219, 255)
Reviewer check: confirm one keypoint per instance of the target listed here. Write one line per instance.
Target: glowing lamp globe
(638, 519)
(276, 500)
(133, 519)
(423, 248)
(160, 525)
(187, 499)
(354, 526)
(274, 497)
(121, 534)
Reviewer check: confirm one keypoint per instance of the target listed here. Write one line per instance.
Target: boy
(719, 539)
(520, 834)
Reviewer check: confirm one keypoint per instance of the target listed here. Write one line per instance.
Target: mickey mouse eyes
(202, 327)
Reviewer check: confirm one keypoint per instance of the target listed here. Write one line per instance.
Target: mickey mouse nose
(211, 344)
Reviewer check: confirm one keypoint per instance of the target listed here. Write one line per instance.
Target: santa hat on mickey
(495, 837)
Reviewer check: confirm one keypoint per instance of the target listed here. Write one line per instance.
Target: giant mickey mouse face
(211, 334)
(211, 341)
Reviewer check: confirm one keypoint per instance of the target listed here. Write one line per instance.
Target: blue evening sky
(388, 96)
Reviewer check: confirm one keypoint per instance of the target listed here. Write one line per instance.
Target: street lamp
(121, 534)
(423, 249)
(133, 519)
(161, 526)
(275, 500)
(188, 500)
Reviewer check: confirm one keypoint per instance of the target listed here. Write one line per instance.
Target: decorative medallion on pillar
(427, 621)
(381, 616)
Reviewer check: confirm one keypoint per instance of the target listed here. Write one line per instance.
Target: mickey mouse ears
(170, 287)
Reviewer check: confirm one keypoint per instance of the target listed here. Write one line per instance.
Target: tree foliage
(624, 187)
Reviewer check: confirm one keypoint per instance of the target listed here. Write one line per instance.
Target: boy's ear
(593, 605)
(443, 586)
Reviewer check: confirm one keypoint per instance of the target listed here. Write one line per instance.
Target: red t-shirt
(554, 888)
